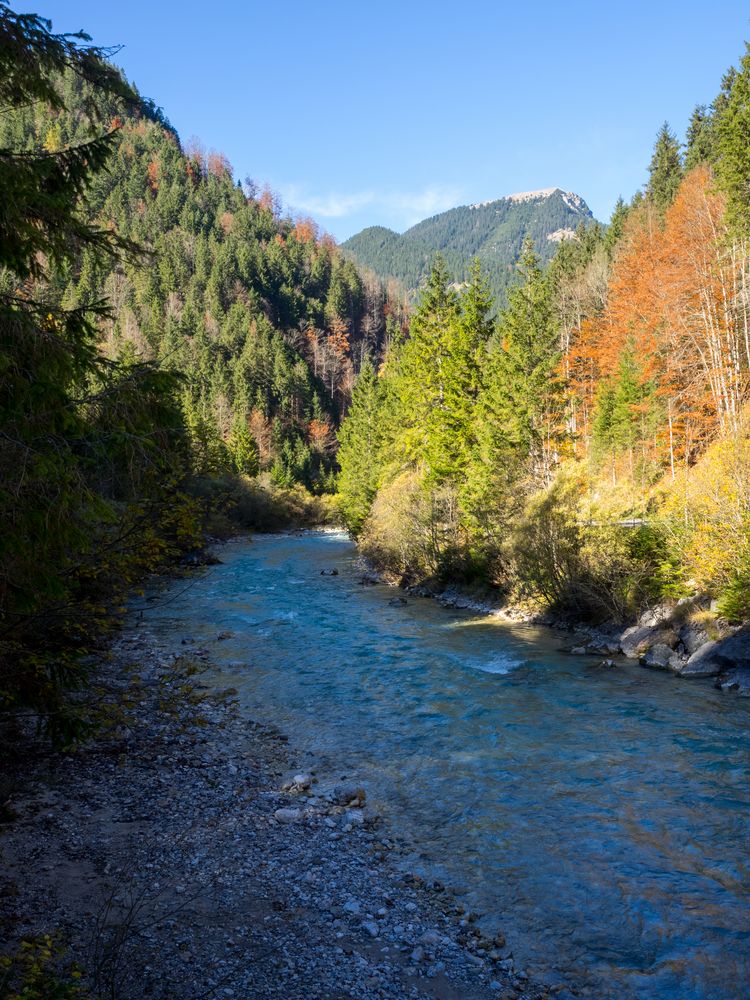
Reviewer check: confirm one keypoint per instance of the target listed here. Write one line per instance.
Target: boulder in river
(397, 602)
(329, 572)
(706, 661)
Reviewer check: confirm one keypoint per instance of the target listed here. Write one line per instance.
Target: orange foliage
(321, 436)
(266, 200)
(674, 301)
(305, 231)
(153, 176)
(338, 338)
(218, 165)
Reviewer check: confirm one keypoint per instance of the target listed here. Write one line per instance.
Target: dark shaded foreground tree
(91, 450)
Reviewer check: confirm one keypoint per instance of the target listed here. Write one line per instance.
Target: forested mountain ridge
(262, 314)
(492, 231)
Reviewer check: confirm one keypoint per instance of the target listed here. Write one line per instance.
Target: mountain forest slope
(168, 335)
(493, 232)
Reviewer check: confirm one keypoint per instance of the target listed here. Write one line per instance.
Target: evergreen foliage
(665, 170)
(91, 448)
(732, 129)
(262, 315)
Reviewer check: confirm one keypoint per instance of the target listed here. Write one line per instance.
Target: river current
(600, 818)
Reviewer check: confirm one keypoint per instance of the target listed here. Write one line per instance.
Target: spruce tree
(616, 227)
(700, 140)
(523, 392)
(424, 367)
(733, 147)
(665, 169)
(360, 454)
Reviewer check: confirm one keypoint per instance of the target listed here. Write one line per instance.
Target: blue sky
(384, 113)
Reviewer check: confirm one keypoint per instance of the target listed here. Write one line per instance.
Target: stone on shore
(287, 815)
(706, 661)
(638, 639)
(737, 679)
(348, 795)
(658, 657)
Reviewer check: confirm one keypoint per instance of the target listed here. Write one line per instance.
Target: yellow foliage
(708, 511)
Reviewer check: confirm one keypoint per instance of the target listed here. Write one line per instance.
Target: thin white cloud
(330, 206)
(420, 205)
(407, 207)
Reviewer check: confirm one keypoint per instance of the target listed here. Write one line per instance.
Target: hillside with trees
(589, 448)
(169, 338)
(492, 232)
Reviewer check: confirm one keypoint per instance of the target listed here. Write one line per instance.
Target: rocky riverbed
(186, 852)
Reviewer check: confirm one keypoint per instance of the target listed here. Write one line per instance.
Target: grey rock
(345, 795)
(707, 661)
(692, 637)
(655, 616)
(352, 906)
(430, 938)
(658, 657)
(736, 648)
(287, 815)
(397, 602)
(417, 955)
(737, 679)
(329, 572)
(637, 640)
(371, 928)
(677, 661)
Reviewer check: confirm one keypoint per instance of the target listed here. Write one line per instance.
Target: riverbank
(680, 637)
(173, 858)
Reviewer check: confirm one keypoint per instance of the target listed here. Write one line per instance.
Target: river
(599, 817)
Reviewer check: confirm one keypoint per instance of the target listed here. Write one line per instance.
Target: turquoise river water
(601, 818)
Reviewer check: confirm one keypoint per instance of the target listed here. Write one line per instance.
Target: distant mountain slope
(493, 231)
